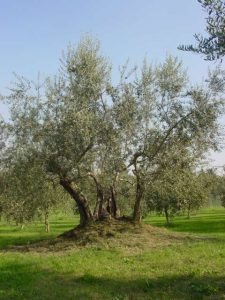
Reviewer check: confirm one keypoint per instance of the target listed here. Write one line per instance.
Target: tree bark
(114, 209)
(112, 199)
(99, 207)
(112, 202)
(100, 202)
(137, 205)
(85, 212)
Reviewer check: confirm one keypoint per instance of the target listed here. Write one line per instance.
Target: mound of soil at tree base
(121, 234)
(108, 234)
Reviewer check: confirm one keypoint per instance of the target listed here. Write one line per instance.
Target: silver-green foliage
(212, 46)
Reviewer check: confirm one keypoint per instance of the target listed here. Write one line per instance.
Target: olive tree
(176, 190)
(86, 133)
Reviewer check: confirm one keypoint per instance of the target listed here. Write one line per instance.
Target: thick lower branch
(83, 207)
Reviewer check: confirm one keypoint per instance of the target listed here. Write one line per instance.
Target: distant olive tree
(31, 195)
(177, 189)
(217, 188)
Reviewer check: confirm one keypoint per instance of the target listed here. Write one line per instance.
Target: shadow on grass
(10, 241)
(27, 281)
(10, 236)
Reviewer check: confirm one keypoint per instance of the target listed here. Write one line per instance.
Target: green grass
(14, 235)
(193, 269)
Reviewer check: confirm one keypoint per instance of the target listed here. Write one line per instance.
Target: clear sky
(33, 34)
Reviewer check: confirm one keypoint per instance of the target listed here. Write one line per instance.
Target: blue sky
(33, 34)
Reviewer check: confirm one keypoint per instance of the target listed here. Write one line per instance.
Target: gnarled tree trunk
(100, 209)
(112, 199)
(138, 198)
(112, 205)
(85, 212)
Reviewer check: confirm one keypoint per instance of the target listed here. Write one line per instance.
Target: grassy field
(191, 269)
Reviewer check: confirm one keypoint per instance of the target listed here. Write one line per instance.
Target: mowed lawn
(192, 269)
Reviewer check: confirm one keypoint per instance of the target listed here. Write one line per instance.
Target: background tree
(177, 188)
(217, 188)
(30, 196)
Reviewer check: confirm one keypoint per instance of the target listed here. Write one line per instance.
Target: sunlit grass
(207, 221)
